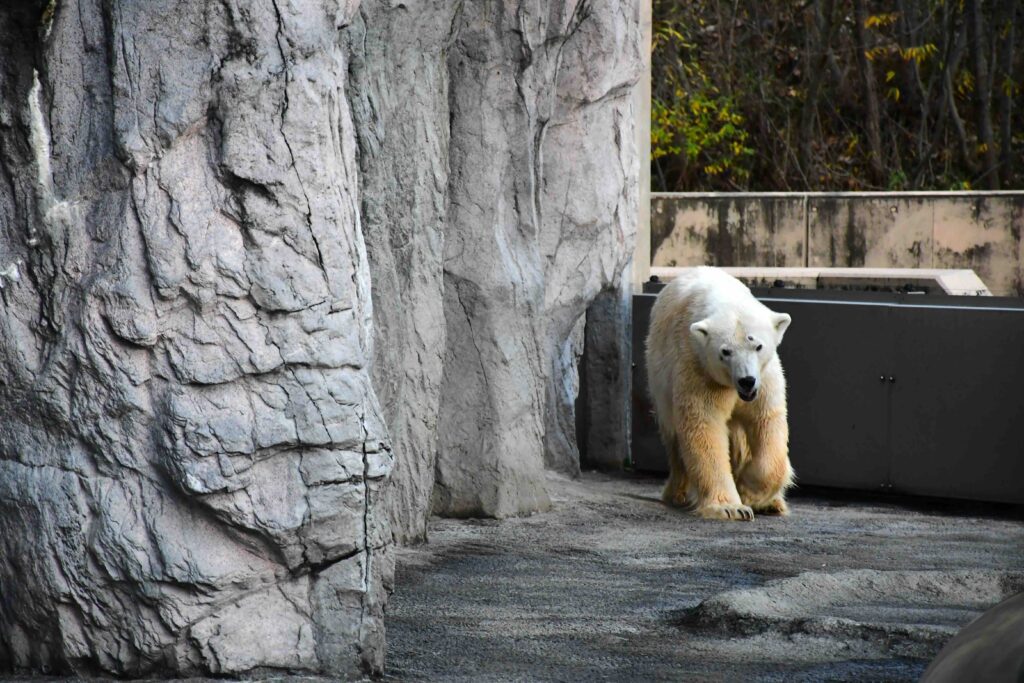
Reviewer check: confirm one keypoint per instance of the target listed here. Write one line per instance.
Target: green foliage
(704, 127)
(731, 93)
(693, 124)
(665, 127)
(897, 181)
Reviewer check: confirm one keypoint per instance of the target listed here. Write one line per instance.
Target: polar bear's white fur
(720, 396)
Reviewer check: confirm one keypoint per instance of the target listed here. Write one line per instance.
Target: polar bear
(720, 396)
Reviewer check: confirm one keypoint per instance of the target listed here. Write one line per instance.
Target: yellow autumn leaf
(880, 20)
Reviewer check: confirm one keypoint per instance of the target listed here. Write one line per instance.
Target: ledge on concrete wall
(961, 282)
(980, 231)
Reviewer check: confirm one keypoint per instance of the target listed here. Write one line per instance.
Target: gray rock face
(191, 453)
(399, 96)
(542, 217)
(199, 389)
(498, 192)
(605, 408)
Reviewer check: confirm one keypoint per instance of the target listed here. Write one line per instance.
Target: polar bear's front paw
(675, 497)
(754, 497)
(742, 513)
(775, 506)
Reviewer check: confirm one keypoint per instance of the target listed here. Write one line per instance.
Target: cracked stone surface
(399, 96)
(498, 176)
(913, 612)
(200, 391)
(192, 456)
(612, 585)
(541, 219)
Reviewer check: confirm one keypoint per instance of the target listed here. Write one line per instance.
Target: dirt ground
(612, 585)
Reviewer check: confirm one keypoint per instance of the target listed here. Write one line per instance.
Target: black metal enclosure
(887, 392)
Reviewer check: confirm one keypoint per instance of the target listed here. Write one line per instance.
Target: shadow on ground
(612, 585)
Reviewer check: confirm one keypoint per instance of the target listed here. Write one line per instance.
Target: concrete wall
(976, 230)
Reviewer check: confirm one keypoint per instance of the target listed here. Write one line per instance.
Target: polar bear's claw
(742, 513)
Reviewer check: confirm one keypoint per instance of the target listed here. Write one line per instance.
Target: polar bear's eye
(759, 347)
(726, 353)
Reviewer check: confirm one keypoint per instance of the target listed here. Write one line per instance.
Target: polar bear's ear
(700, 330)
(782, 321)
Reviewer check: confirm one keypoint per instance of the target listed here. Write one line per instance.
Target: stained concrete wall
(976, 230)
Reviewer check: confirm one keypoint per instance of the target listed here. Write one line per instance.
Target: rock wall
(200, 390)
(541, 219)
(499, 187)
(399, 95)
(191, 453)
(604, 408)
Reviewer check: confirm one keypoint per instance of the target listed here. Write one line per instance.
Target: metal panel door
(836, 356)
(958, 403)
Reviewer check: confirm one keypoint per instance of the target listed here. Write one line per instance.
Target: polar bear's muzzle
(747, 388)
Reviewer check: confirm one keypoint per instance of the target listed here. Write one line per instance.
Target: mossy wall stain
(855, 243)
(720, 247)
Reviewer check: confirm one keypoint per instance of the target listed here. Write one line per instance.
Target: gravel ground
(609, 585)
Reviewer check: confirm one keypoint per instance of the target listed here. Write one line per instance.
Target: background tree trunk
(976, 44)
(758, 96)
(1003, 84)
(815, 73)
(872, 123)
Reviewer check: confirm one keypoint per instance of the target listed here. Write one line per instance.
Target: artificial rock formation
(191, 452)
(398, 91)
(499, 199)
(248, 250)
(542, 124)
(531, 194)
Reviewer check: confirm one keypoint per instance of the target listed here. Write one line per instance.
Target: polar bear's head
(734, 349)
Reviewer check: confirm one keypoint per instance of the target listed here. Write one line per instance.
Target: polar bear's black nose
(746, 383)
